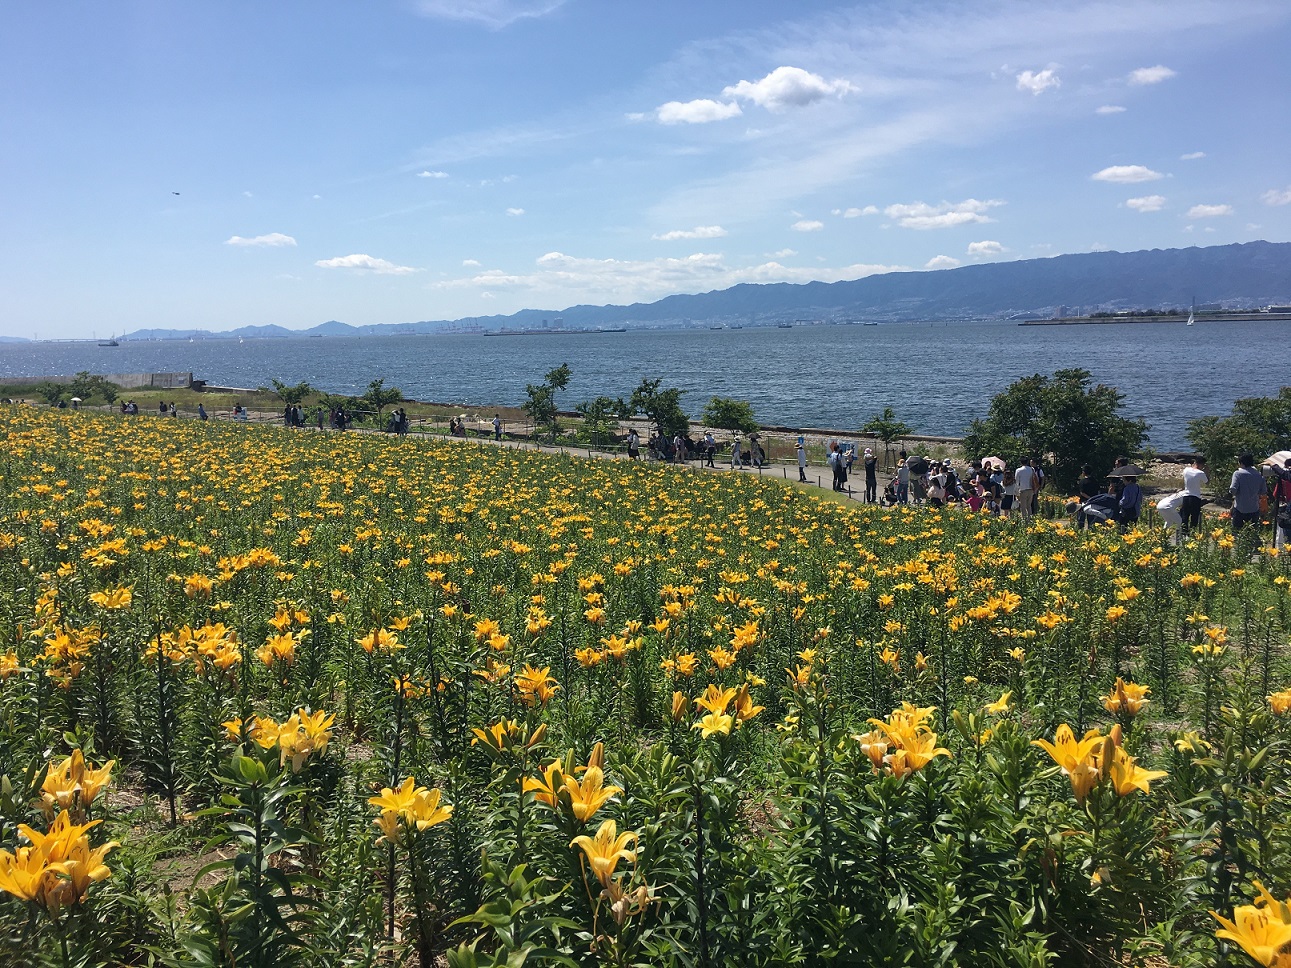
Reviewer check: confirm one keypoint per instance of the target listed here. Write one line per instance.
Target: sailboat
(1191, 313)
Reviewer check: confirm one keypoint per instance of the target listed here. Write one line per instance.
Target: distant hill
(1239, 276)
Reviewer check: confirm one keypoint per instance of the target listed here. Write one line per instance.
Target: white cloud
(432, 174)
(1209, 211)
(1192, 156)
(1151, 75)
(1277, 196)
(858, 212)
(515, 211)
(1126, 174)
(807, 225)
(247, 195)
(365, 262)
(783, 254)
(1109, 109)
(272, 239)
(495, 14)
(941, 262)
(560, 276)
(316, 197)
(698, 232)
(787, 87)
(921, 215)
(984, 248)
(1146, 203)
(1037, 82)
(700, 111)
(471, 263)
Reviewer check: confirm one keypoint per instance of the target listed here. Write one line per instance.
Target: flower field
(292, 698)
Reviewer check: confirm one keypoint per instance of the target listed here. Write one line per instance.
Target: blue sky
(401, 160)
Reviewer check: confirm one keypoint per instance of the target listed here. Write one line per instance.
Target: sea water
(936, 377)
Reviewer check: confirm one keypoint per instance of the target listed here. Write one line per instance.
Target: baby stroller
(1099, 509)
(889, 496)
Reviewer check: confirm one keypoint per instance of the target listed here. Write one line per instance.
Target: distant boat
(111, 341)
(869, 324)
(784, 325)
(315, 335)
(1191, 319)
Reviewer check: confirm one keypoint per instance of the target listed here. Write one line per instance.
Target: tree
(86, 385)
(50, 391)
(600, 417)
(727, 413)
(1257, 425)
(294, 395)
(541, 402)
(887, 428)
(661, 407)
(377, 396)
(1062, 420)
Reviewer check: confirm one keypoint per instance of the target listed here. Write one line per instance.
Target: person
(201, 413)
(161, 408)
(1194, 475)
(678, 448)
(1246, 487)
(736, 462)
(976, 496)
(838, 459)
(1025, 479)
(903, 478)
(871, 476)
(710, 447)
(936, 487)
(1086, 486)
(1131, 501)
(1009, 487)
(634, 445)
(801, 448)
(1282, 493)
(756, 452)
(497, 427)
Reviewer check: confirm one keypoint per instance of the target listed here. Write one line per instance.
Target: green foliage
(540, 402)
(1258, 425)
(600, 417)
(51, 392)
(730, 414)
(378, 395)
(1061, 420)
(291, 395)
(887, 428)
(87, 385)
(661, 407)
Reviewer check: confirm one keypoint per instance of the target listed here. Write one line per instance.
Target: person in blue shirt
(1130, 503)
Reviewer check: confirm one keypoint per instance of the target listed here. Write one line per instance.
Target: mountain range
(1239, 276)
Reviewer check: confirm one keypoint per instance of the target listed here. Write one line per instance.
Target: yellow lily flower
(715, 723)
(588, 795)
(606, 849)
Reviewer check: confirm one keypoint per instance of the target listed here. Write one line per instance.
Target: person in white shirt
(1193, 477)
(1025, 478)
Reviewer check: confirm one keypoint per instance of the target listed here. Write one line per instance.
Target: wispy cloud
(921, 215)
(1277, 196)
(1192, 156)
(515, 212)
(807, 225)
(1109, 109)
(857, 212)
(1146, 203)
(1209, 211)
(701, 111)
(432, 174)
(1037, 82)
(941, 262)
(272, 239)
(559, 276)
(494, 14)
(1151, 75)
(365, 263)
(1126, 174)
(984, 248)
(698, 232)
(787, 87)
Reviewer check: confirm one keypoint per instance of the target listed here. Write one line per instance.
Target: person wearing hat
(871, 476)
(802, 458)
